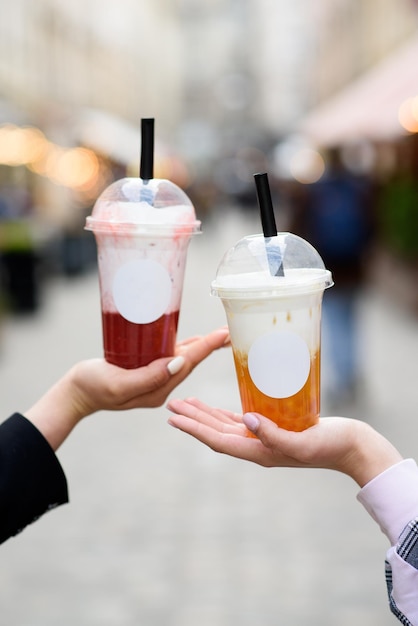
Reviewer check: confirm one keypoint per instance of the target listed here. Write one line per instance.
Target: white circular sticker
(279, 363)
(142, 291)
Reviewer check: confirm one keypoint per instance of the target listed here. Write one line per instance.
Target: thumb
(265, 429)
(252, 422)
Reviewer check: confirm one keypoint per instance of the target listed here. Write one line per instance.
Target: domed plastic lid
(137, 206)
(262, 267)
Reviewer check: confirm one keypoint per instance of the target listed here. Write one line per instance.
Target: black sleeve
(31, 478)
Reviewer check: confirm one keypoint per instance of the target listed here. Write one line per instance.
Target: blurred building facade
(206, 70)
(226, 80)
(58, 57)
(351, 37)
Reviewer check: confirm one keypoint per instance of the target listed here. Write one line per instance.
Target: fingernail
(176, 364)
(225, 329)
(251, 421)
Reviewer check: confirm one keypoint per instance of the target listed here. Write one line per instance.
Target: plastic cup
(142, 230)
(275, 325)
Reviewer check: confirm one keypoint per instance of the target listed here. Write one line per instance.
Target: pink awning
(369, 107)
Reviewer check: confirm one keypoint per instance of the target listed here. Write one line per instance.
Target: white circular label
(279, 363)
(142, 291)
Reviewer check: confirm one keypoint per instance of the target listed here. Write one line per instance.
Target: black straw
(266, 205)
(268, 222)
(146, 170)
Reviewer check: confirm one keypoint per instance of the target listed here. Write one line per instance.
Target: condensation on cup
(274, 320)
(142, 230)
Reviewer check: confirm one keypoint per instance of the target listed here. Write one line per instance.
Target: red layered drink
(142, 229)
(132, 345)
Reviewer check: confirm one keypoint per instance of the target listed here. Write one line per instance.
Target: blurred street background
(324, 97)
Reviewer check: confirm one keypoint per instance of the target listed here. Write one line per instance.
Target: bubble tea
(142, 227)
(272, 289)
(275, 327)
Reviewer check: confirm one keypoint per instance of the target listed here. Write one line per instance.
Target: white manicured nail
(175, 365)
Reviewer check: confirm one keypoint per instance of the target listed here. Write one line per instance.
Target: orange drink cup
(275, 325)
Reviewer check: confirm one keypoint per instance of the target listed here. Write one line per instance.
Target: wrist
(370, 454)
(57, 412)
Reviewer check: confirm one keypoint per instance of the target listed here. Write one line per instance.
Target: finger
(237, 445)
(208, 416)
(221, 414)
(199, 348)
(184, 343)
(131, 387)
(297, 448)
(267, 431)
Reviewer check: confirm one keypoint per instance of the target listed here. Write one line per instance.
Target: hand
(338, 443)
(93, 385)
(100, 385)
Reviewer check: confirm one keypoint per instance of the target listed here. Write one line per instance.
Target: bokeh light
(20, 145)
(76, 168)
(296, 159)
(307, 166)
(408, 114)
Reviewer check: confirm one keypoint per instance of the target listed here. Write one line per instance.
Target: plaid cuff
(407, 547)
(392, 604)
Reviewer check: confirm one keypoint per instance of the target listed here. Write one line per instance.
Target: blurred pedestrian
(19, 257)
(335, 214)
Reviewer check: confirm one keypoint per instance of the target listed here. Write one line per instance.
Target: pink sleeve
(392, 498)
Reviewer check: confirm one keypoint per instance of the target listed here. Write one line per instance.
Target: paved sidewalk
(162, 531)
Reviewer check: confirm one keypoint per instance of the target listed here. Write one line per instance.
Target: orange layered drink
(295, 412)
(275, 327)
